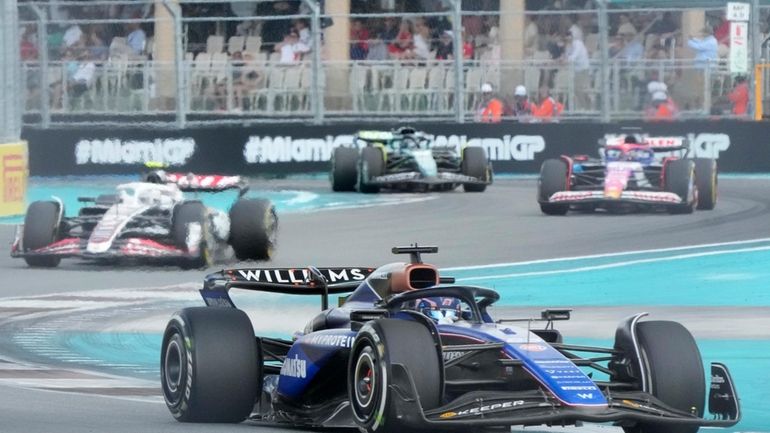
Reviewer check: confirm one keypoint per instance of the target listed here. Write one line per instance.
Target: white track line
(605, 255)
(615, 265)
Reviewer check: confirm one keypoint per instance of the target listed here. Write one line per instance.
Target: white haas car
(151, 221)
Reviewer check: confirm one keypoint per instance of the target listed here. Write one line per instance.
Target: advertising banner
(279, 150)
(13, 178)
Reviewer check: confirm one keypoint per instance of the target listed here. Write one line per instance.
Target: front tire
(344, 172)
(190, 219)
(253, 229)
(680, 179)
(676, 374)
(372, 165)
(706, 180)
(475, 165)
(553, 179)
(41, 228)
(210, 366)
(380, 345)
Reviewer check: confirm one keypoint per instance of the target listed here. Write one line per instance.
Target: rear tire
(680, 179)
(41, 228)
(372, 165)
(344, 172)
(185, 216)
(475, 164)
(553, 179)
(210, 367)
(675, 372)
(706, 179)
(253, 229)
(378, 346)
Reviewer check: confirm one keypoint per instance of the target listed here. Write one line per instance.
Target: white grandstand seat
(398, 98)
(200, 74)
(215, 44)
(359, 78)
(560, 89)
(265, 97)
(235, 44)
(253, 44)
(473, 82)
(417, 94)
(436, 82)
(592, 42)
(306, 87)
(219, 66)
(291, 91)
(447, 98)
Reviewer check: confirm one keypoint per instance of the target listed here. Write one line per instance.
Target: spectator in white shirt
(291, 49)
(576, 55)
(422, 40)
(304, 32)
(72, 35)
(136, 38)
(575, 30)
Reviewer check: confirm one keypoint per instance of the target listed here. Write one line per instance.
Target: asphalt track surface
(502, 225)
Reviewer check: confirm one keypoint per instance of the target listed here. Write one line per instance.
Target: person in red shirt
(491, 109)
(549, 107)
(739, 96)
(662, 108)
(403, 46)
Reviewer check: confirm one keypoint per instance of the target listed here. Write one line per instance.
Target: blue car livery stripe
(553, 370)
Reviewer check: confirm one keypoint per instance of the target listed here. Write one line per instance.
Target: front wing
(121, 248)
(415, 177)
(598, 197)
(535, 407)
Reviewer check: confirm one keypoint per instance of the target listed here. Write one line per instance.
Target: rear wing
(289, 281)
(189, 182)
(657, 144)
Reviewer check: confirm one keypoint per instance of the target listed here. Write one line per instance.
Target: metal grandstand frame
(309, 98)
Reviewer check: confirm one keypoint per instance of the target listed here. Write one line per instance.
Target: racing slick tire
(475, 165)
(344, 173)
(675, 372)
(372, 165)
(253, 229)
(41, 228)
(185, 217)
(553, 178)
(379, 346)
(680, 179)
(706, 179)
(209, 368)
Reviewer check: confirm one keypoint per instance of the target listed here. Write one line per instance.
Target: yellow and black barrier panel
(14, 170)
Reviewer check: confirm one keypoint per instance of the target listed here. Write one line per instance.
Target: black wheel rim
(366, 386)
(173, 370)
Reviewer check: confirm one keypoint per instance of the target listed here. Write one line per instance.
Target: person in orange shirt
(548, 108)
(491, 109)
(739, 96)
(662, 107)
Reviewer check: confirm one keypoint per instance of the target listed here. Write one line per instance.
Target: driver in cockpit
(443, 310)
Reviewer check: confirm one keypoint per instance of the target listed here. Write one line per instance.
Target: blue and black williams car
(409, 350)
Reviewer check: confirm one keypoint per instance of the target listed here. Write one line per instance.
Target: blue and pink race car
(632, 172)
(409, 350)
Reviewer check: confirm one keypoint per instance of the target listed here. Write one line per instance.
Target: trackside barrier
(13, 178)
(284, 149)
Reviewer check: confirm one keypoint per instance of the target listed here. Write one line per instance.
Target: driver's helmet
(443, 310)
(630, 139)
(631, 152)
(155, 176)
